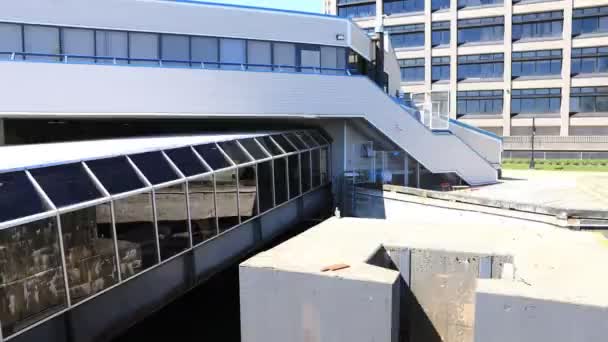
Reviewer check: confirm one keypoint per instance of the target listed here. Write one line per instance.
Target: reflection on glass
(31, 276)
(226, 200)
(135, 230)
(285, 145)
(186, 161)
(89, 251)
(305, 174)
(294, 176)
(280, 180)
(202, 209)
(234, 151)
(307, 139)
(325, 165)
(248, 193)
(316, 168)
(253, 148)
(18, 198)
(318, 137)
(172, 220)
(270, 146)
(266, 185)
(66, 184)
(296, 141)
(116, 175)
(155, 167)
(213, 156)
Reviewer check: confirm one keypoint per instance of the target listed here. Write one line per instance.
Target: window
(480, 30)
(253, 148)
(248, 193)
(537, 25)
(78, 42)
(296, 141)
(42, 40)
(172, 220)
(412, 70)
(10, 40)
(590, 20)
(590, 60)
(143, 48)
(589, 100)
(536, 101)
(259, 52)
(111, 44)
(284, 56)
(266, 186)
(116, 175)
(357, 10)
(202, 209)
(537, 63)
(66, 184)
(226, 199)
(234, 151)
(18, 198)
(280, 181)
(316, 167)
(155, 167)
(306, 171)
(406, 36)
(213, 156)
(477, 3)
(206, 50)
(487, 66)
(483, 102)
(175, 50)
(440, 34)
(437, 5)
(270, 146)
(285, 145)
(309, 58)
(333, 58)
(232, 53)
(186, 161)
(325, 161)
(440, 69)
(294, 175)
(403, 6)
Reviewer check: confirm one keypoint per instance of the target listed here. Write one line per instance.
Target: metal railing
(170, 63)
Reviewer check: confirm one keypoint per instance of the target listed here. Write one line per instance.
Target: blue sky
(315, 6)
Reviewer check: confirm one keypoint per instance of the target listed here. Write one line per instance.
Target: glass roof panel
(307, 139)
(270, 146)
(213, 156)
(155, 167)
(296, 141)
(66, 184)
(318, 137)
(253, 148)
(186, 161)
(116, 175)
(18, 198)
(235, 153)
(280, 139)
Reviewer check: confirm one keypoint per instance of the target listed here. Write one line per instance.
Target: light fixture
(339, 36)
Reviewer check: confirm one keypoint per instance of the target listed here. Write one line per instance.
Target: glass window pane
(206, 50)
(587, 104)
(212, 155)
(89, 251)
(329, 59)
(294, 175)
(111, 44)
(284, 56)
(285, 145)
(280, 180)
(259, 52)
(30, 272)
(227, 211)
(143, 46)
(248, 193)
(316, 168)
(253, 148)
(602, 103)
(234, 151)
(318, 137)
(270, 146)
(307, 139)
(136, 234)
(175, 48)
(10, 40)
(296, 141)
(155, 167)
(172, 220)
(202, 209)
(310, 58)
(78, 42)
(232, 52)
(186, 161)
(306, 171)
(18, 198)
(324, 165)
(42, 40)
(265, 185)
(115, 174)
(66, 184)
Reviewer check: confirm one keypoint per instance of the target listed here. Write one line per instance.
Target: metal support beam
(2, 134)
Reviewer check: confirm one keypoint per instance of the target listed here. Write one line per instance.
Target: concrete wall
(278, 306)
(512, 315)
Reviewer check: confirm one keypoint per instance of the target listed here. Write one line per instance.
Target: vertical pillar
(566, 69)
(508, 39)
(427, 49)
(380, 11)
(2, 134)
(453, 57)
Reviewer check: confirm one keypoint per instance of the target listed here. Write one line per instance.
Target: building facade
(503, 63)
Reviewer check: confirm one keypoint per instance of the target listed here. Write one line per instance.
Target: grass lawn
(596, 165)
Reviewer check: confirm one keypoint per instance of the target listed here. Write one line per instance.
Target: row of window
(524, 64)
(533, 101)
(232, 182)
(45, 43)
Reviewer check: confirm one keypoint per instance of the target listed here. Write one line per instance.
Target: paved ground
(567, 190)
